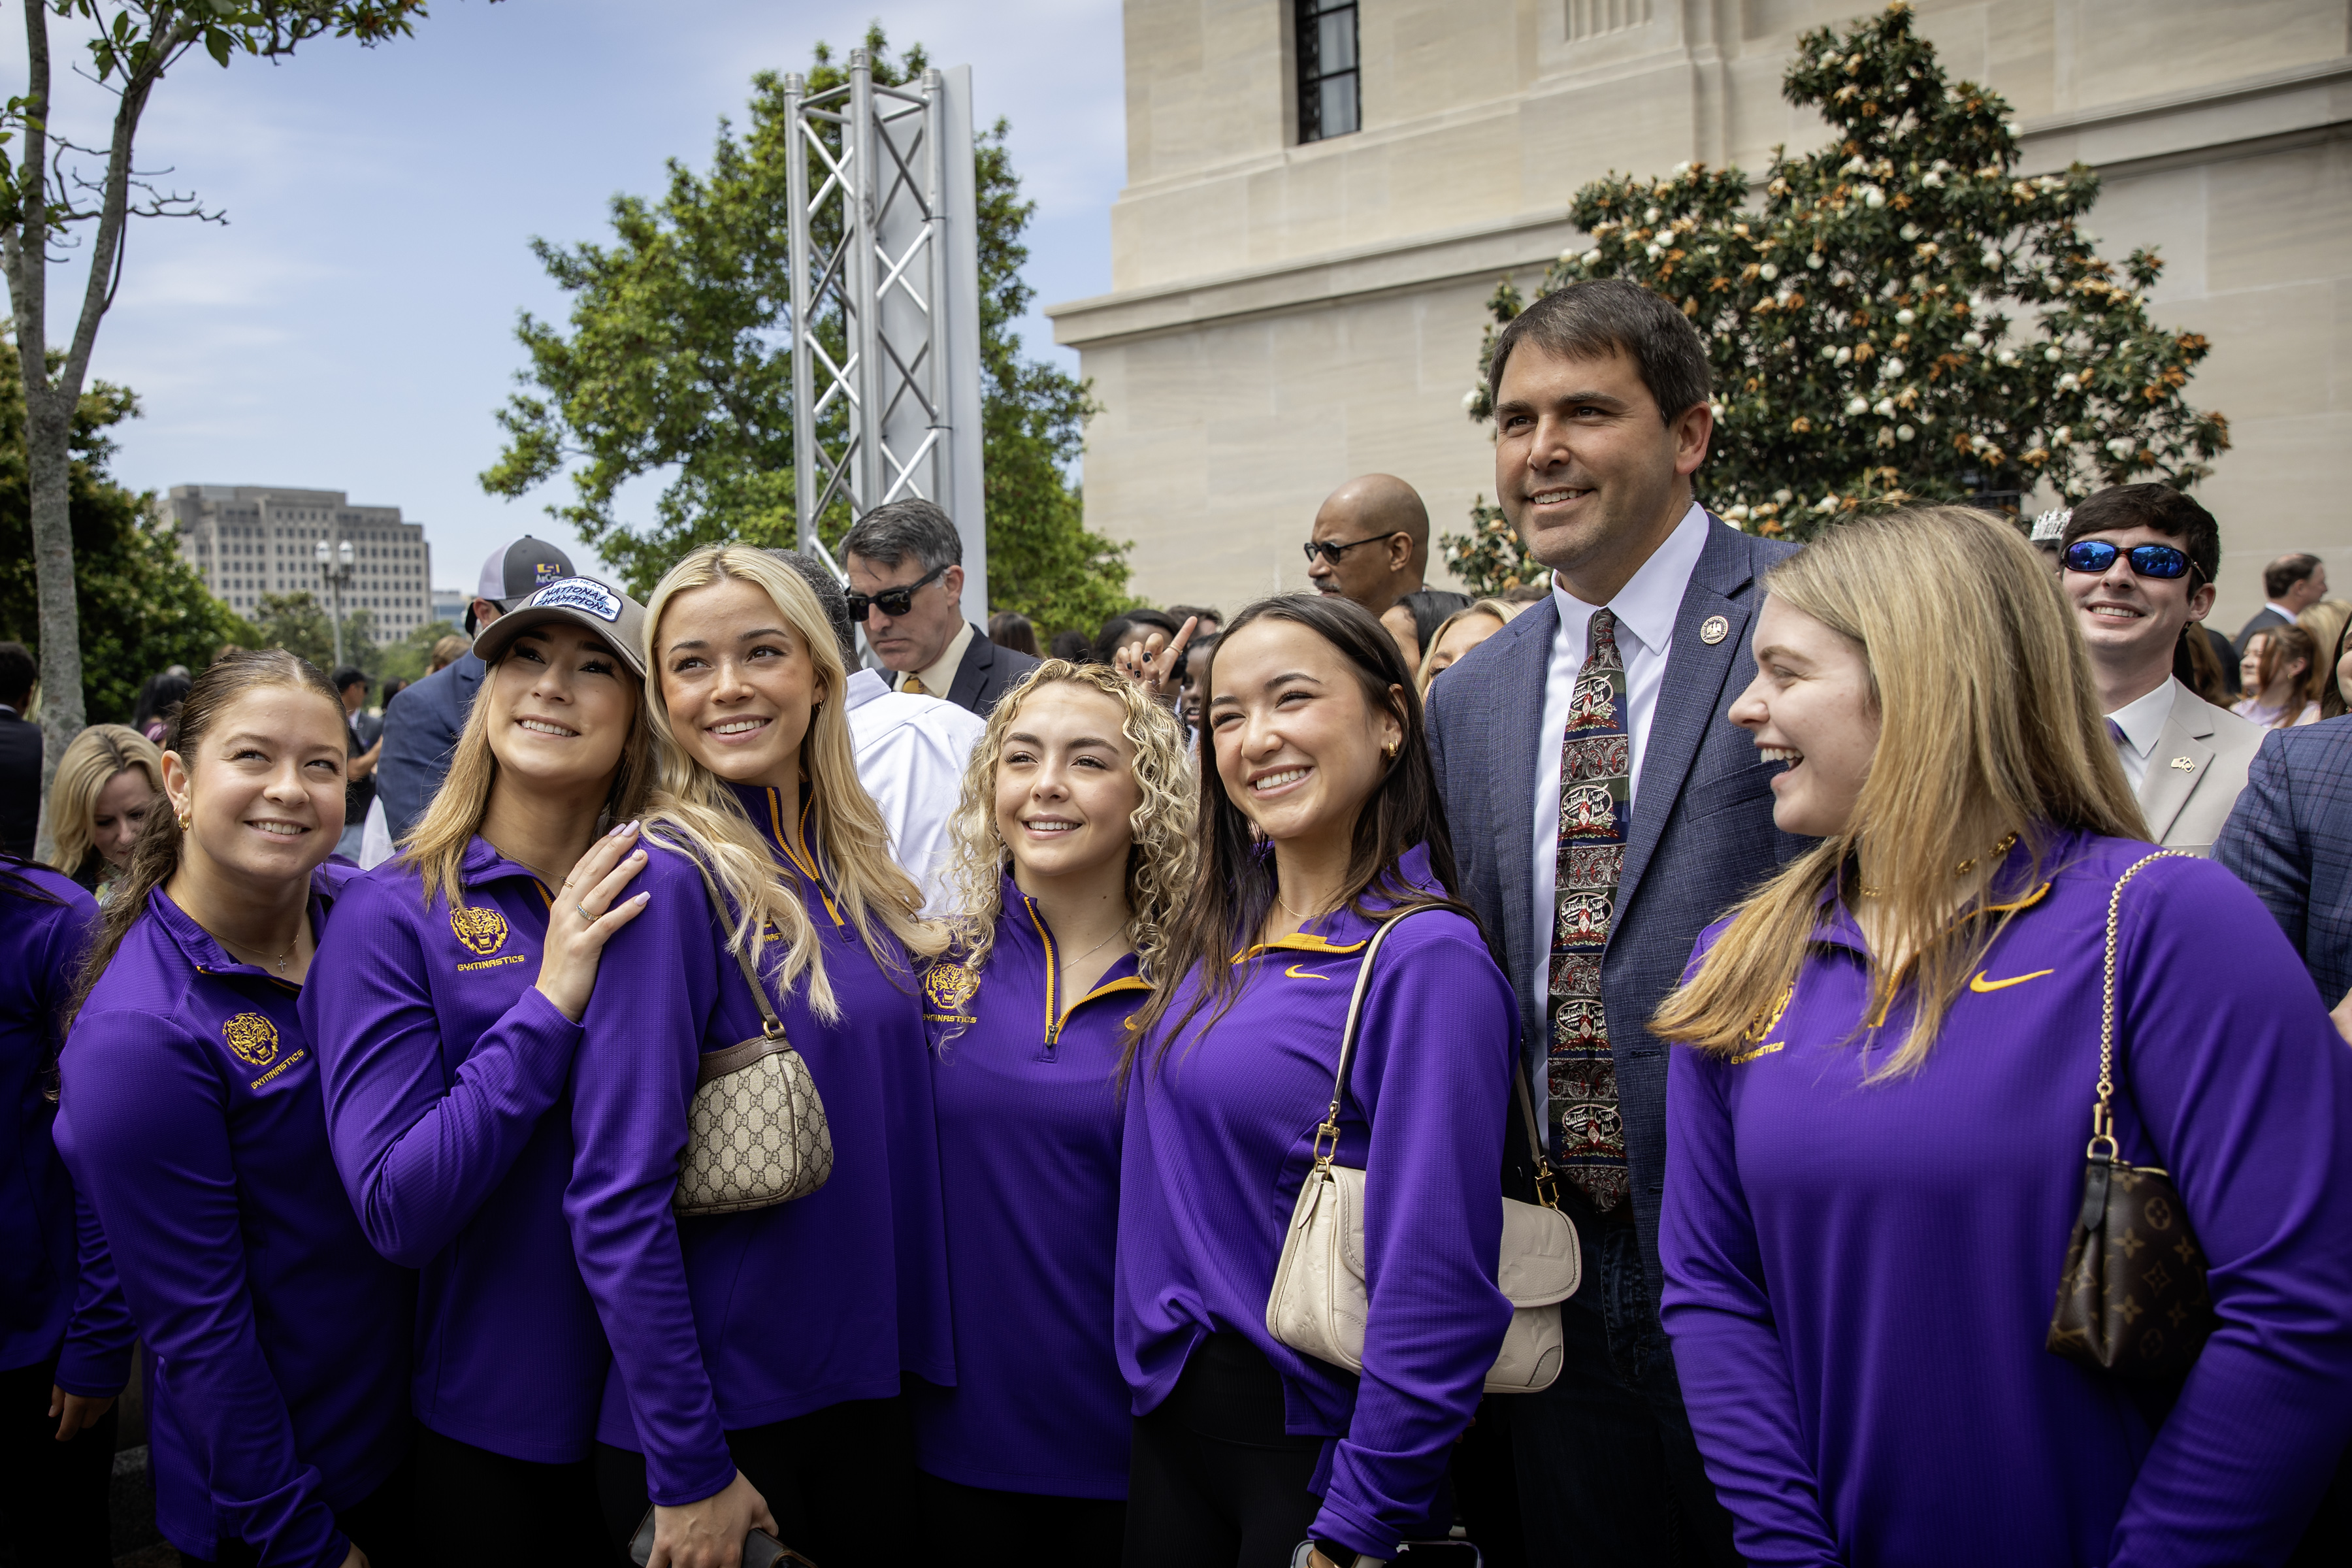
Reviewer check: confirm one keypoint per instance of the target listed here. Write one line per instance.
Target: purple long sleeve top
(722, 1323)
(1220, 1135)
(43, 1287)
(447, 1080)
(191, 1117)
(1859, 1277)
(1026, 1085)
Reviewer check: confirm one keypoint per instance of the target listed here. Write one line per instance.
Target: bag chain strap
(2102, 1121)
(771, 1026)
(1547, 1184)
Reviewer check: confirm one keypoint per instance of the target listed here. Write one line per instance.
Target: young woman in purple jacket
(446, 1012)
(1876, 1138)
(758, 1357)
(1073, 849)
(1319, 816)
(190, 1117)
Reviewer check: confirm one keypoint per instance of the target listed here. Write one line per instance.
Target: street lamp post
(336, 561)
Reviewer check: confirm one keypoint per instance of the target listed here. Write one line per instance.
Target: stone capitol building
(1321, 195)
(245, 540)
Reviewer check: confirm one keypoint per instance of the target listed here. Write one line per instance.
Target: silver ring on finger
(584, 914)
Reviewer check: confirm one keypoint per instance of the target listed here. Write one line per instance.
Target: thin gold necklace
(283, 958)
(1294, 914)
(2008, 842)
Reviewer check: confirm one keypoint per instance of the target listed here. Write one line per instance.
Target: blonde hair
(436, 844)
(1989, 725)
(1499, 609)
(709, 823)
(96, 758)
(1158, 863)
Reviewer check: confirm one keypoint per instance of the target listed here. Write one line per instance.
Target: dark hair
(17, 673)
(1234, 886)
(2282, 646)
(156, 855)
(1123, 628)
(2281, 575)
(1073, 646)
(890, 533)
(1205, 612)
(1010, 628)
(14, 884)
(1197, 652)
(1595, 317)
(2160, 506)
(346, 676)
(831, 596)
(157, 699)
(2331, 690)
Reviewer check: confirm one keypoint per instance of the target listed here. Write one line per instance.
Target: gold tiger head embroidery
(949, 987)
(483, 931)
(253, 1037)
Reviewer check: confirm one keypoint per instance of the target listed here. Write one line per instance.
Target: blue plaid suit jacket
(2290, 838)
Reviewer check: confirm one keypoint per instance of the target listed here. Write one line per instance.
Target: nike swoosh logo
(1298, 973)
(1979, 983)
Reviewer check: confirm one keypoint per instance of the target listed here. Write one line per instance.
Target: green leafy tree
(58, 194)
(141, 605)
(677, 359)
(1901, 316)
(407, 659)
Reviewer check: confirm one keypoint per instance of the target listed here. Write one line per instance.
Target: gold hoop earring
(1391, 750)
(185, 818)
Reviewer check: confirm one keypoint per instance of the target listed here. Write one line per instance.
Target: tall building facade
(246, 540)
(1322, 193)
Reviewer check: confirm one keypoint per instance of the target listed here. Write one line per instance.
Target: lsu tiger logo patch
(253, 1037)
(949, 987)
(483, 932)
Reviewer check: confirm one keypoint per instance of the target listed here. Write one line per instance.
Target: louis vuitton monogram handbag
(755, 1131)
(2132, 1297)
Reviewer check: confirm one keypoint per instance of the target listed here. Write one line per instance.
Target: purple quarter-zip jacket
(447, 1078)
(1221, 1133)
(191, 1117)
(736, 1321)
(43, 1282)
(1026, 1083)
(1859, 1277)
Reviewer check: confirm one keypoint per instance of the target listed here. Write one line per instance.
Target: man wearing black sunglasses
(1371, 543)
(2137, 564)
(906, 588)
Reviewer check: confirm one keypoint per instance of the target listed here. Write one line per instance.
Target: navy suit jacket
(1703, 832)
(2289, 839)
(421, 727)
(988, 671)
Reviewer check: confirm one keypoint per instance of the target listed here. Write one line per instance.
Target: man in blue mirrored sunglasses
(2139, 562)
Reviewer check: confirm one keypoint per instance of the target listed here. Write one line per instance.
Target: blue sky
(352, 327)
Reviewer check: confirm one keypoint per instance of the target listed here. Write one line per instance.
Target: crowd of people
(1600, 1074)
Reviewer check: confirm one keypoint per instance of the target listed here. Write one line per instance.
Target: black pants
(475, 1509)
(1215, 1483)
(381, 1524)
(1609, 1473)
(52, 1494)
(979, 1527)
(840, 1482)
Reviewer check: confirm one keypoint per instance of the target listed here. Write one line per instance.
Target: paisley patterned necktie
(1587, 1133)
(914, 685)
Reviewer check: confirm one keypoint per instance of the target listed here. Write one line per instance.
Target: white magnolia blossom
(2052, 356)
(1972, 338)
(1768, 272)
(1905, 316)
(1857, 405)
(1903, 432)
(1813, 260)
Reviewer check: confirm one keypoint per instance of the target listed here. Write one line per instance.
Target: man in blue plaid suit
(2290, 838)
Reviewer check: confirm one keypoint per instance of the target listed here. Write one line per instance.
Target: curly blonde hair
(1158, 864)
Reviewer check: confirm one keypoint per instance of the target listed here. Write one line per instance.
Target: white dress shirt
(911, 753)
(1645, 608)
(940, 675)
(2142, 722)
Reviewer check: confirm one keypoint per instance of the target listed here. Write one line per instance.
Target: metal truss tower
(886, 303)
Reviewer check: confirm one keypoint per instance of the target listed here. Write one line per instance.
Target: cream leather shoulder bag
(1321, 1300)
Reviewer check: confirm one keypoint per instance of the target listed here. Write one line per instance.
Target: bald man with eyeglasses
(1371, 543)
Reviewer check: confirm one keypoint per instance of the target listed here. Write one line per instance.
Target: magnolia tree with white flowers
(1897, 316)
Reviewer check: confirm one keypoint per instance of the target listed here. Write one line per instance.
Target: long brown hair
(436, 844)
(1233, 887)
(1989, 724)
(2282, 646)
(156, 855)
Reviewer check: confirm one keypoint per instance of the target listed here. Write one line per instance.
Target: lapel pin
(2184, 764)
(1713, 630)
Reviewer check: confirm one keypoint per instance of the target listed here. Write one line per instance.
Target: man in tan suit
(2137, 564)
